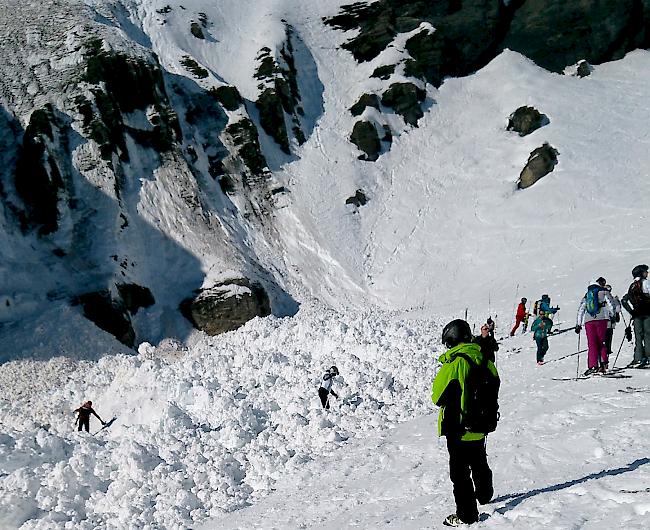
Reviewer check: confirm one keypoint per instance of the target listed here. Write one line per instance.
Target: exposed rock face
(366, 100)
(365, 137)
(135, 296)
(108, 314)
(228, 96)
(358, 199)
(540, 163)
(279, 95)
(525, 120)
(226, 306)
(405, 99)
(469, 34)
(584, 69)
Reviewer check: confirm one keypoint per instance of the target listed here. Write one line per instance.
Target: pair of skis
(106, 425)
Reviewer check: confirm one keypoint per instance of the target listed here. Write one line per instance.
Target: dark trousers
(323, 394)
(542, 348)
(471, 476)
(84, 423)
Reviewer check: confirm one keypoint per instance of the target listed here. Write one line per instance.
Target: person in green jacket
(469, 471)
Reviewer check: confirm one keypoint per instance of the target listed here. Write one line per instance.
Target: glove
(628, 333)
(103, 423)
(578, 329)
(618, 317)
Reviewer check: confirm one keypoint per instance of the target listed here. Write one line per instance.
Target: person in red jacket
(520, 316)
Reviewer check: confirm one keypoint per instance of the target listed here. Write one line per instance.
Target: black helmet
(456, 332)
(636, 271)
(334, 370)
(524, 300)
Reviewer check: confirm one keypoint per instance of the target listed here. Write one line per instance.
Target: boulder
(405, 99)
(135, 296)
(584, 69)
(525, 120)
(364, 136)
(366, 100)
(226, 306)
(540, 163)
(358, 199)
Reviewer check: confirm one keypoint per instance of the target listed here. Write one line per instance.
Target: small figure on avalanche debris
(541, 328)
(638, 295)
(488, 344)
(83, 416)
(520, 316)
(544, 304)
(326, 386)
(594, 313)
(468, 466)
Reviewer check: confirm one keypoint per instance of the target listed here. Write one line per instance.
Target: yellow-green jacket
(448, 390)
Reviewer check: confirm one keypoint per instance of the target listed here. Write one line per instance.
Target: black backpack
(481, 397)
(639, 299)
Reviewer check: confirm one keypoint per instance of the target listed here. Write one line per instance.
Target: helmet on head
(601, 281)
(638, 270)
(546, 297)
(456, 332)
(524, 300)
(334, 370)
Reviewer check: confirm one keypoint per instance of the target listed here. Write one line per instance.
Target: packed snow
(228, 432)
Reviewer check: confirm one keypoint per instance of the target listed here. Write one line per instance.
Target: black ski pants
(542, 348)
(84, 423)
(471, 476)
(324, 394)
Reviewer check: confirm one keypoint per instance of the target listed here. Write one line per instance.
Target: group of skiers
(456, 382)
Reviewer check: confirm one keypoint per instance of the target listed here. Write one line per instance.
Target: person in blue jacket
(545, 305)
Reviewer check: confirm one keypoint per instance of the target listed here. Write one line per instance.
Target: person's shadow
(514, 499)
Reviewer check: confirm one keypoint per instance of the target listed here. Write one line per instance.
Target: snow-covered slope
(210, 425)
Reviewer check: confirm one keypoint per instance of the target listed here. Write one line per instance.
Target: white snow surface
(227, 432)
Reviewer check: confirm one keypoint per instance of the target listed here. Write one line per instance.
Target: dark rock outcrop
(228, 96)
(540, 163)
(364, 136)
(135, 296)
(525, 120)
(366, 100)
(405, 99)
(108, 314)
(226, 306)
(469, 34)
(245, 138)
(358, 199)
(584, 69)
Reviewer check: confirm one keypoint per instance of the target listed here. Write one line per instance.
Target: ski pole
(566, 356)
(619, 351)
(578, 367)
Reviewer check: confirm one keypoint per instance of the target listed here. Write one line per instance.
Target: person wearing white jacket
(614, 318)
(594, 313)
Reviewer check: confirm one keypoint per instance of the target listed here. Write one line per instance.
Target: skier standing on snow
(488, 344)
(541, 328)
(544, 304)
(83, 416)
(326, 386)
(491, 324)
(594, 313)
(468, 467)
(520, 316)
(639, 296)
(614, 318)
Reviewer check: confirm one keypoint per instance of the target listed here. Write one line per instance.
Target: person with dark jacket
(326, 386)
(83, 416)
(520, 316)
(488, 344)
(639, 296)
(468, 466)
